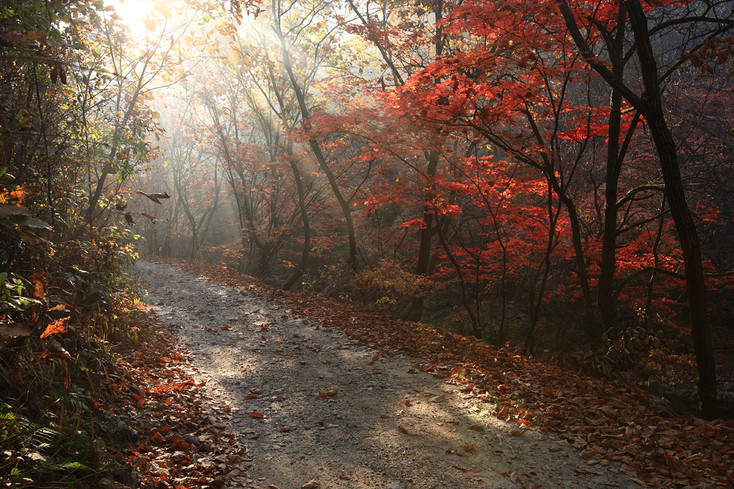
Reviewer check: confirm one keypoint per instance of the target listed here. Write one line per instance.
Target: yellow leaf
(150, 23)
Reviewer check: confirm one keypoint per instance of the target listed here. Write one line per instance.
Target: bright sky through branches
(132, 12)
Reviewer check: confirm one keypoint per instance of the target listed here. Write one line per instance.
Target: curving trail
(312, 406)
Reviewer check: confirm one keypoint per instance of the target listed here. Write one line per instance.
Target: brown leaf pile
(183, 446)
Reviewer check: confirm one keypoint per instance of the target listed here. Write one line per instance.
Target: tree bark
(425, 237)
(682, 217)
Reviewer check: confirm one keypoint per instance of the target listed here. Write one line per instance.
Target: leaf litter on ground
(605, 421)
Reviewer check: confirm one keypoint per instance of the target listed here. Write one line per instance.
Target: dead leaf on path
(468, 448)
(512, 474)
(271, 486)
(384, 416)
(257, 415)
(407, 402)
(440, 398)
(252, 395)
(326, 394)
(311, 485)
(477, 427)
(286, 429)
(401, 429)
(517, 432)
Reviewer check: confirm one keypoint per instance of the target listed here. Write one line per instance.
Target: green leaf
(75, 466)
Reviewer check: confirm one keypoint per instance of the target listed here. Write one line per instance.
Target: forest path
(312, 405)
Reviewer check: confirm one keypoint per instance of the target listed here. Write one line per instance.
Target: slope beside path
(312, 405)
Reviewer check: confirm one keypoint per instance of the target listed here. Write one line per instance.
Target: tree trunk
(425, 238)
(605, 287)
(305, 253)
(684, 224)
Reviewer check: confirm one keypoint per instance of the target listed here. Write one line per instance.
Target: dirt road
(311, 405)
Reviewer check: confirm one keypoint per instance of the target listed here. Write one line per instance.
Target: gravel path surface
(317, 410)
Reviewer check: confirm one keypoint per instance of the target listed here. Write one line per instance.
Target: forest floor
(302, 391)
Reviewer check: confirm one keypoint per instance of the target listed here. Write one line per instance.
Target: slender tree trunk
(536, 298)
(605, 287)
(684, 224)
(425, 238)
(305, 254)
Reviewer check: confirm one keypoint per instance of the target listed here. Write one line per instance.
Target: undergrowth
(68, 311)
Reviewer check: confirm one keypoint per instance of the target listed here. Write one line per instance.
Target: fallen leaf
(468, 448)
(257, 415)
(57, 327)
(326, 394)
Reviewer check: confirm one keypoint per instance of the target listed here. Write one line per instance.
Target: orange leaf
(468, 448)
(56, 327)
(257, 415)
